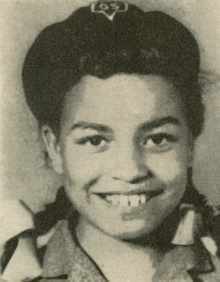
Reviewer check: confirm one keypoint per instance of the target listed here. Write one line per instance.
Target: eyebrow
(95, 126)
(147, 126)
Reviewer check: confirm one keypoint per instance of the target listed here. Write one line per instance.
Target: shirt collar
(65, 257)
(190, 231)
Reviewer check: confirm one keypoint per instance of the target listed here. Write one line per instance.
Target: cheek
(169, 167)
(78, 167)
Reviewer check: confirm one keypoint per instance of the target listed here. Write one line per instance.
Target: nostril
(141, 179)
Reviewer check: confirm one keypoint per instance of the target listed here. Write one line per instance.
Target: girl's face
(124, 151)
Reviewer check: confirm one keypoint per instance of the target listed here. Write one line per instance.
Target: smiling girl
(116, 94)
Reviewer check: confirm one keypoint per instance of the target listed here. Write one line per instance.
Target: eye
(97, 140)
(160, 141)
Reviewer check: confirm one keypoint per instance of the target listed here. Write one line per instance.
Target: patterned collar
(184, 262)
(192, 255)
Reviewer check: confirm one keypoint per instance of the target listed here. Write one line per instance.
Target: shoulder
(16, 221)
(194, 253)
(211, 223)
(24, 243)
(188, 263)
(23, 255)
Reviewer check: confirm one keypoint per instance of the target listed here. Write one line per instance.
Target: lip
(129, 212)
(150, 193)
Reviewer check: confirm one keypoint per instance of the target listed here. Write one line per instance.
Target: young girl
(116, 94)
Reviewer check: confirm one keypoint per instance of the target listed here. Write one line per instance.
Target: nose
(130, 166)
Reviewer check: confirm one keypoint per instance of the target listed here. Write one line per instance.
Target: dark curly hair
(87, 43)
(142, 62)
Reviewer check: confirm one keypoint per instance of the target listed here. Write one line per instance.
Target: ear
(53, 148)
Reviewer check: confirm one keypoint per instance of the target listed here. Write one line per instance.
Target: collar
(191, 232)
(190, 253)
(64, 257)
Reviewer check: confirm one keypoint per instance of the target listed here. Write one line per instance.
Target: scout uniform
(56, 255)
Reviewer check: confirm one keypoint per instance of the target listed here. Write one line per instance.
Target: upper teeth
(127, 200)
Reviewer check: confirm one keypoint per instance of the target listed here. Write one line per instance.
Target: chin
(132, 236)
(158, 230)
(130, 231)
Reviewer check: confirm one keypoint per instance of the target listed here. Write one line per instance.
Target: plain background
(23, 172)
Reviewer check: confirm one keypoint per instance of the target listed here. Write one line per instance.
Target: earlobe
(53, 148)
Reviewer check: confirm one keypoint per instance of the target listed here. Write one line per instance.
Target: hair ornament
(109, 9)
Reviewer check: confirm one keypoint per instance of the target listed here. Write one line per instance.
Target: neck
(117, 259)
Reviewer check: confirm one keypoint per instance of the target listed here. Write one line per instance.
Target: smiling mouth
(132, 200)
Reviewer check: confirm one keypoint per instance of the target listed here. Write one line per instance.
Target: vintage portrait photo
(110, 141)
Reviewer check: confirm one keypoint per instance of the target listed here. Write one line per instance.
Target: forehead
(121, 97)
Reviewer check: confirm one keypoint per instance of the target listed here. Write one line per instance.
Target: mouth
(129, 200)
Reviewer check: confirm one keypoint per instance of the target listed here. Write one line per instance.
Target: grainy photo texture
(110, 115)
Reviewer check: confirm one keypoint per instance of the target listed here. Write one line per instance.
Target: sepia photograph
(110, 141)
